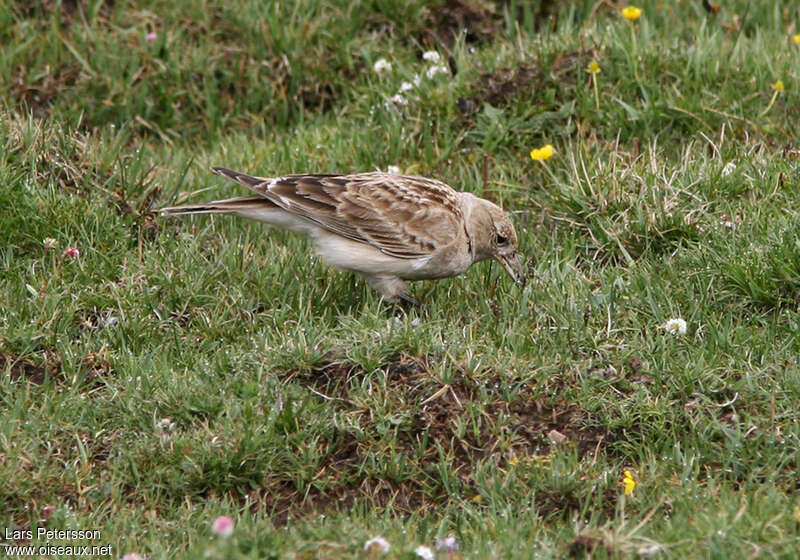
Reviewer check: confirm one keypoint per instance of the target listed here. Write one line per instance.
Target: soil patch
(500, 86)
(477, 20)
(504, 86)
(430, 429)
(94, 366)
(69, 9)
(29, 370)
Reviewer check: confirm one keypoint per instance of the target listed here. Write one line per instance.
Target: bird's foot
(407, 301)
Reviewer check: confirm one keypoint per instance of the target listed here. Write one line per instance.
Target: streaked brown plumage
(388, 228)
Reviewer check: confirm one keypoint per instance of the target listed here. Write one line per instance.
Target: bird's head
(494, 237)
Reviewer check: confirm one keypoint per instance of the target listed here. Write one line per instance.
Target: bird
(388, 228)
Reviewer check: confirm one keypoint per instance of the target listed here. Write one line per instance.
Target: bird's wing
(402, 216)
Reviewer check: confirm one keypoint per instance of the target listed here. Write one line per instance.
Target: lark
(388, 228)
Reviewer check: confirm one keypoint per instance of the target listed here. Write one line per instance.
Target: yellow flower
(796, 38)
(476, 499)
(779, 88)
(593, 67)
(631, 13)
(628, 482)
(542, 154)
(514, 461)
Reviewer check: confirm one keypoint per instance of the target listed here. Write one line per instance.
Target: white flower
(620, 283)
(394, 170)
(726, 222)
(165, 425)
(434, 70)
(432, 56)
(424, 552)
(378, 543)
(164, 428)
(106, 318)
(729, 168)
(650, 549)
(381, 65)
(676, 327)
(400, 100)
(405, 86)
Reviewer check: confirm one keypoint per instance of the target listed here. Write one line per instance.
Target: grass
(315, 415)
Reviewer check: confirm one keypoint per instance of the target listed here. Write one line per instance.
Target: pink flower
(47, 510)
(133, 556)
(222, 526)
(150, 37)
(71, 252)
(448, 543)
(378, 544)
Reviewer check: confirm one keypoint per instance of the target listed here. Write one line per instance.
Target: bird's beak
(513, 267)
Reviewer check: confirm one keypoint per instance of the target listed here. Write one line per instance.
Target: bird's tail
(243, 179)
(238, 205)
(248, 206)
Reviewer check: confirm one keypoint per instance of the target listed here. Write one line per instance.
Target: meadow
(158, 373)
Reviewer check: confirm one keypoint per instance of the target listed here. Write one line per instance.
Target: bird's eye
(501, 239)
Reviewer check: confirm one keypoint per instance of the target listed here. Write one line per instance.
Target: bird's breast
(447, 261)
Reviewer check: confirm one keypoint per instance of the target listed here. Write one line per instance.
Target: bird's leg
(392, 288)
